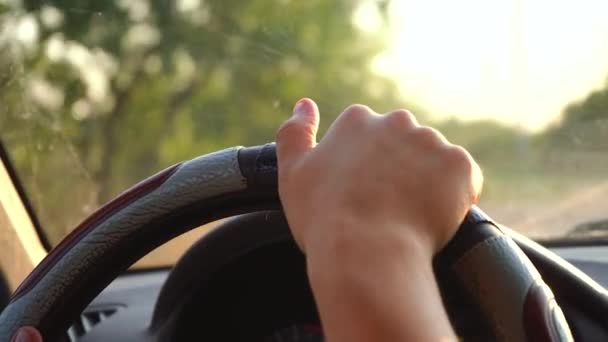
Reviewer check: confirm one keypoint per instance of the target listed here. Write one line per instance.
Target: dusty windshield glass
(97, 95)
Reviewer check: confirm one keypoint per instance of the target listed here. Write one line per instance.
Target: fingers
(428, 137)
(477, 177)
(27, 334)
(298, 134)
(458, 159)
(401, 119)
(431, 139)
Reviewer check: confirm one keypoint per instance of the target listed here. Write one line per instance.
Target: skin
(370, 205)
(27, 334)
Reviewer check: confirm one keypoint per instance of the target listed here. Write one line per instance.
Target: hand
(382, 170)
(370, 205)
(27, 334)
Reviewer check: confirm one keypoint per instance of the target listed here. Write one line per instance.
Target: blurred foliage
(100, 94)
(584, 125)
(97, 95)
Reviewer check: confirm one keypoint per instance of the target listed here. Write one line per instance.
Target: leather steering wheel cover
(221, 184)
(492, 268)
(211, 185)
(503, 282)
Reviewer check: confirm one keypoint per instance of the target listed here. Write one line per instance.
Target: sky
(517, 61)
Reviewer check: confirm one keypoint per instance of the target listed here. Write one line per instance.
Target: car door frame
(21, 246)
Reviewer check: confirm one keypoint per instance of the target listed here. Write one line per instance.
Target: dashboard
(127, 304)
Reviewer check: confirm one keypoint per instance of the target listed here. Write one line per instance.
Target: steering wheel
(504, 283)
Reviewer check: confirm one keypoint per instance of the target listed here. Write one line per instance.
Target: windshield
(97, 95)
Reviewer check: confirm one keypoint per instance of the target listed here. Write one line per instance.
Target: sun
(519, 62)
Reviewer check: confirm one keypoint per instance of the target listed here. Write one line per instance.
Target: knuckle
(356, 113)
(460, 161)
(457, 157)
(428, 136)
(400, 119)
(288, 128)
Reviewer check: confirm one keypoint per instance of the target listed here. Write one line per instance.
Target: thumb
(298, 134)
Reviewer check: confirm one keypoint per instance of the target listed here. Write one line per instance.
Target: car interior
(246, 280)
(138, 187)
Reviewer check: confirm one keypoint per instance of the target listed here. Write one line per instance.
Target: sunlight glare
(518, 62)
(367, 18)
(27, 31)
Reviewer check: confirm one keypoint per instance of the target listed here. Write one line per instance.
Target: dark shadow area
(5, 292)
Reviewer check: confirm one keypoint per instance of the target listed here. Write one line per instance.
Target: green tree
(99, 94)
(584, 125)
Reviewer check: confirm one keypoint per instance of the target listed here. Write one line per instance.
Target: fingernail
(300, 107)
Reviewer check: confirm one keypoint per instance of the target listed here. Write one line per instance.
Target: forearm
(377, 288)
(372, 276)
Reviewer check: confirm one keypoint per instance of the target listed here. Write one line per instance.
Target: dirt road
(553, 217)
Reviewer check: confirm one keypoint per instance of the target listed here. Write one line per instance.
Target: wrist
(346, 248)
(375, 278)
(352, 230)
